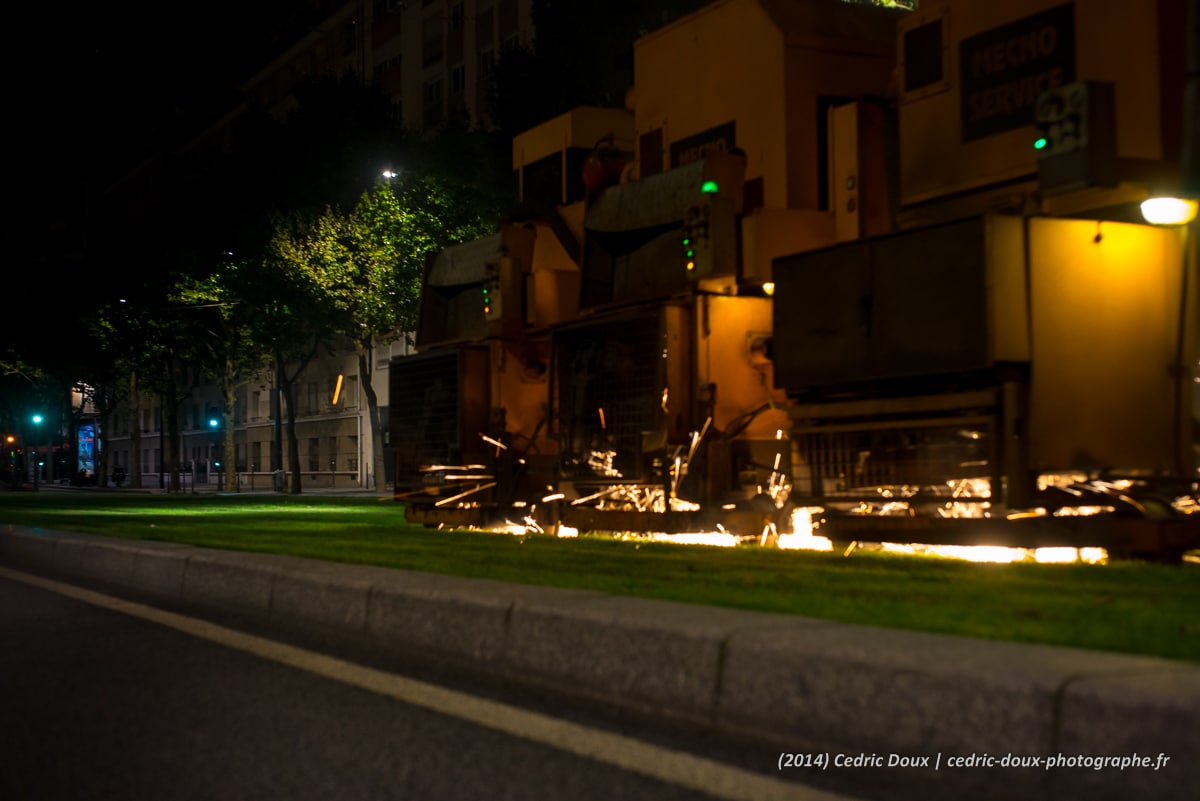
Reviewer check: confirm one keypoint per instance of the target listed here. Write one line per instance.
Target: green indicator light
(709, 187)
(687, 241)
(1040, 144)
(691, 253)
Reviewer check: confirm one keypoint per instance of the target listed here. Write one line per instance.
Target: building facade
(433, 59)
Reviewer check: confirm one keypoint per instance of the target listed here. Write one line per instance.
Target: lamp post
(214, 450)
(11, 442)
(37, 466)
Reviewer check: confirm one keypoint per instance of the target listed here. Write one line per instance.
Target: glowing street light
(37, 465)
(1169, 210)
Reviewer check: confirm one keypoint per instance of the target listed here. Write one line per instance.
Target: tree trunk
(366, 381)
(173, 445)
(293, 444)
(135, 435)
(230, 456)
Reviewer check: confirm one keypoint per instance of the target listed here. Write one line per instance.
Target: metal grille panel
(609, 386)
(842, 461)
(425, 412)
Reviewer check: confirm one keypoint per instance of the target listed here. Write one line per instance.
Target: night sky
(95, 88)
(105, 83)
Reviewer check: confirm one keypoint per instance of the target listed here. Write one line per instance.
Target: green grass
(1124, 607)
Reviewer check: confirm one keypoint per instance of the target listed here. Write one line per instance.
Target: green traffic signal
(1040, 143)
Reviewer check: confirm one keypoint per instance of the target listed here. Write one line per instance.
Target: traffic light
(214, 418)
(708, 236)
(1075, 137)
(490, 290)
(1061, 120)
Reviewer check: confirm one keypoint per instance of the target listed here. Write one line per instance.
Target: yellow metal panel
(723, 63)
(768, 234)
(553, 287)
(579, 127)
(763, 69)
(1008, 304)
(732, 332)
(520, 374)
(844, 178)
(1113, 42)
(1105, 310)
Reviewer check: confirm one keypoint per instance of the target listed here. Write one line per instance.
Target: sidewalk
(811, 686)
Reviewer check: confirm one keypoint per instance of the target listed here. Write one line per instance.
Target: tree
(369, 264)
(151, 344)
(292, 321)
(225, 345)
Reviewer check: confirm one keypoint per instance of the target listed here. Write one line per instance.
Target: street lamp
(11, 442)
(37, 465)
(1169, 210)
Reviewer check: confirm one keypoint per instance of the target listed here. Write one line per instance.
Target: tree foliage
(288, 246)
(364, 268)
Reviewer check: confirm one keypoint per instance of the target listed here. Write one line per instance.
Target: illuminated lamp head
(1169, 210)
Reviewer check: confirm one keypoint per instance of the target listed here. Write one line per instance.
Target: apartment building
(433, 58)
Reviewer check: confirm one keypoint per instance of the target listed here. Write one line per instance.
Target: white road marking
(665, 764)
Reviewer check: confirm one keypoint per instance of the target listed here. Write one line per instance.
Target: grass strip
(1124, 607)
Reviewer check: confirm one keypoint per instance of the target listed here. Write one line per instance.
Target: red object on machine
(603, 166)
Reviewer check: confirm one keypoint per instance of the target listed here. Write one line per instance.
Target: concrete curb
(807, 685)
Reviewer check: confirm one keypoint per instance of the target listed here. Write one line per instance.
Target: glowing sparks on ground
(802, 537)
(998, 554)
(804, 542)
(714, 538)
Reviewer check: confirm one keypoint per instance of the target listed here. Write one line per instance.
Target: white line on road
(664, 764)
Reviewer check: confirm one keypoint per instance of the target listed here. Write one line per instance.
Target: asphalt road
(101, 702)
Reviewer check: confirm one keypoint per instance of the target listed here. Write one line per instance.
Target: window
(431, 41)
(485, 28)
(923, 56)
(314, 454)
(432, 105)
(350, 390)
(313, 404)
(255, 456)
(333, 453)
(457, 17)
(487, 62)
(458, 79)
